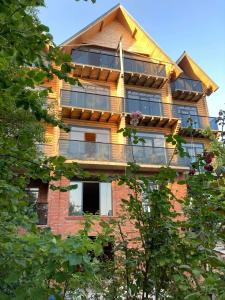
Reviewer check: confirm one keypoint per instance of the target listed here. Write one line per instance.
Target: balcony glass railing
(91, 101)
(97, 59)
(129, 105)
(96, 151)
(144, 67)
(151, 108)
(186, 84)
(196, 121)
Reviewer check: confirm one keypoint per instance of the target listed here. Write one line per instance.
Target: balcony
(95, 65)
(198, 122)
(186, 89)
(107, 155)
(105, 108)
(195, 122)
(144, 73)
(93, 107)
(155, 113)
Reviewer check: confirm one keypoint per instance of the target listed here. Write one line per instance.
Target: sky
(196, 26)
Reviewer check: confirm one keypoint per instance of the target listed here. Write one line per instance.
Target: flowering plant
(135, 117)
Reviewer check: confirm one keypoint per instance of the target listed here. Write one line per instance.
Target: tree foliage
(34, 264)
(171, 254)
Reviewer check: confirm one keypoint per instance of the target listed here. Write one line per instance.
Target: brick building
(122, 70)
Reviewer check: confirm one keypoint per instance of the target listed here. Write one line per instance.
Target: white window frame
(102, 204)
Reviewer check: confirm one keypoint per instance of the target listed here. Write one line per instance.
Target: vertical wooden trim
(121, 57)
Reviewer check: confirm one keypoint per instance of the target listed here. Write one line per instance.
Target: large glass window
(146, 103)
(90, 197)
(96, 57)
(193, 149)
(88, 96)
(151, 152)
(188, 115)
(90, 143)
(140, 64)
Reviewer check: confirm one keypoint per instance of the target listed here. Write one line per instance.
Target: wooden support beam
(134, 33)
(101, 26)
(109, 73)
(142, 122)
(159, 122)
(150, 121)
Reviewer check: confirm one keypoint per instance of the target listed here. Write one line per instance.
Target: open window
(91, 197)
(37, 193)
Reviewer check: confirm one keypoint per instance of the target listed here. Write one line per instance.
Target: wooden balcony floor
(197, 133)
(144, 80)
(90, 115)
(186, 95)
(95, 73)
(155, 121)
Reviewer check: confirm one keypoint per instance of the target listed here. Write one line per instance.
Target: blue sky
(197, 26)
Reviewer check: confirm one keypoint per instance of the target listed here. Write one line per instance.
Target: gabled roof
(95, 22)
(194, 71)
(120, 13)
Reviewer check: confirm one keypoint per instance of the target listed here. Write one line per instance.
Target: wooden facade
(115, 53)
(114, 58)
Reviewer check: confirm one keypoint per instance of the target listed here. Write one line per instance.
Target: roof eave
(185, 54)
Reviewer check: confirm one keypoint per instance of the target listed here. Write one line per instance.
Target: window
(193, 149)
(33, 194)
(151, 152)
(97, 57)
(145, 200)
(90, 143)
(188, 115)
(146, 103)
(91, 197)
(41, 208)
(90, 96)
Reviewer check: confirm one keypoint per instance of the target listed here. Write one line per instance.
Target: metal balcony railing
(97, 59)
(120, 153)
(186, 84)
(144, 67)
(92, 101)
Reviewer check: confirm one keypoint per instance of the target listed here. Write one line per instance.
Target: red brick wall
(61, 223)
(179, 192)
